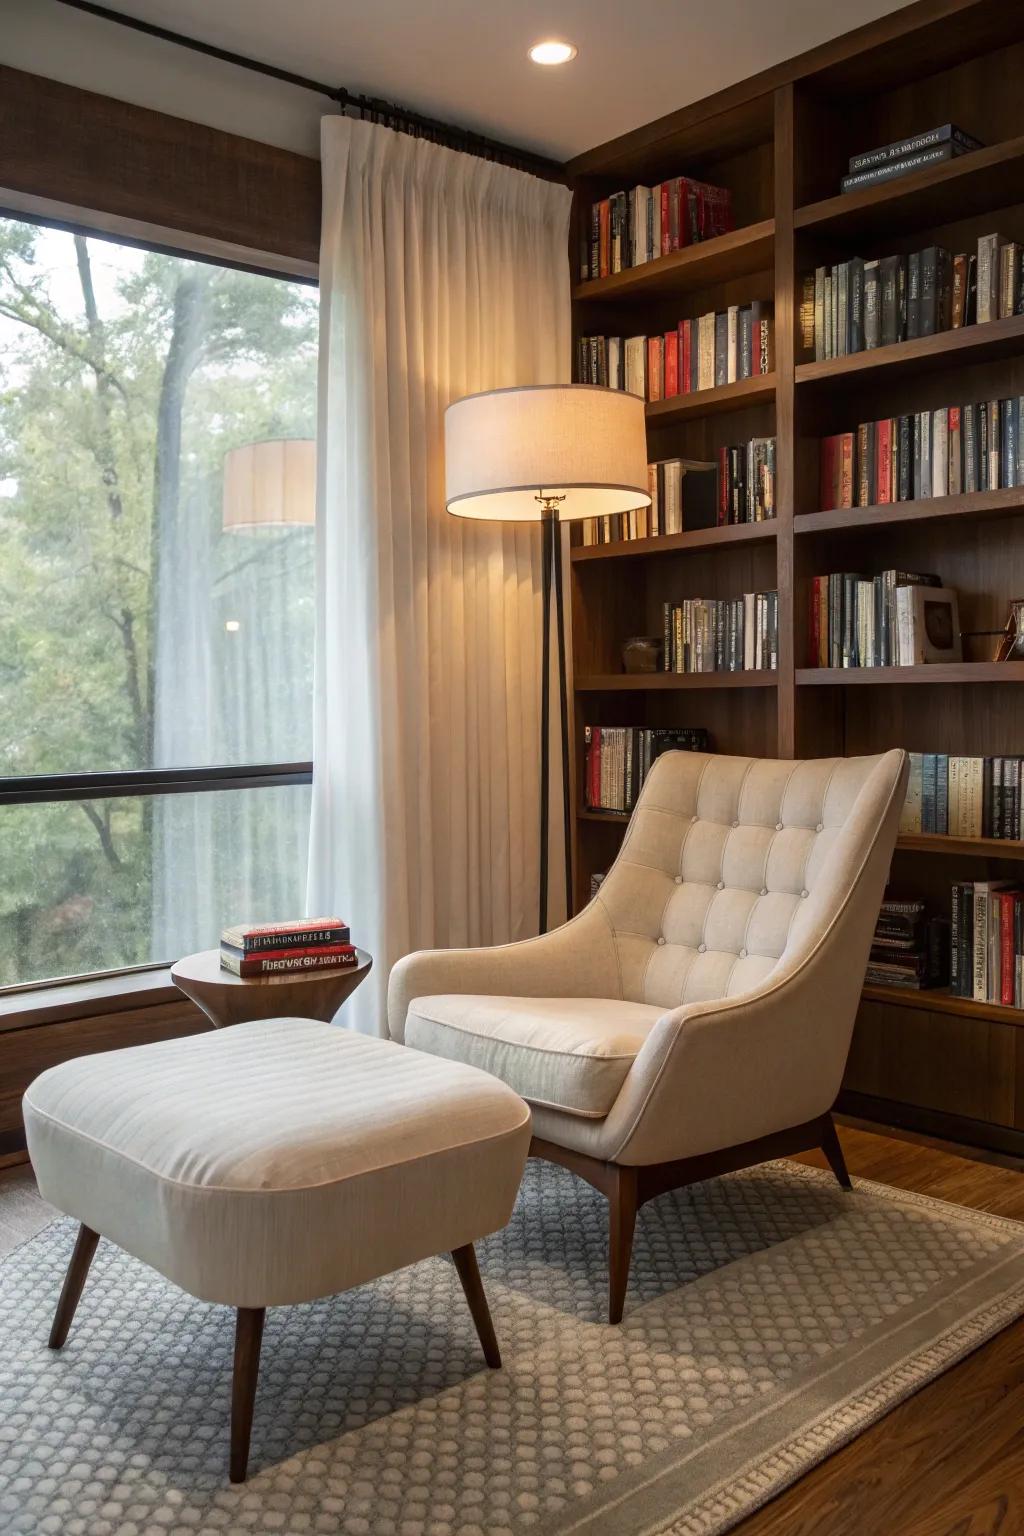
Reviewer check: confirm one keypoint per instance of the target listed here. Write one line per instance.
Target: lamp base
(551, 575)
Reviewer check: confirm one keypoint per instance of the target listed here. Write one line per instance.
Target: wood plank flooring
(948, 1462)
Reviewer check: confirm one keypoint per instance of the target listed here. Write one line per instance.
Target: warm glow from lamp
(270, 485)
(552, 51)
(510, 450)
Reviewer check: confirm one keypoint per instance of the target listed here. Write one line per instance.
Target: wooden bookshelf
(781, 142)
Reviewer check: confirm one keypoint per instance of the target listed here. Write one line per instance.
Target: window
(156, 600)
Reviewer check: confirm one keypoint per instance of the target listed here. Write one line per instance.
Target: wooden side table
(229, 999)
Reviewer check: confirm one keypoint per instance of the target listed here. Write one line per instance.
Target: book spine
(268, 965)
(947, 133)
(894, 168)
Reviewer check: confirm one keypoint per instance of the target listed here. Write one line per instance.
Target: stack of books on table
(908, 951)
(914, 153)
(987, 943)
(273, 949)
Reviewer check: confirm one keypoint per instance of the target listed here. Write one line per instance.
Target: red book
(684, 211)
(671, 363)
(845, 470)
(604, 241)
(594, 768)
(655, 367)
(723, 486)
(326, 958)
(685, 356)
(1006, 908)
(883, 461)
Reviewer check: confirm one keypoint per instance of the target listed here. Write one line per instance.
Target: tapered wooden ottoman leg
(74, 1280)
(621, 1226)
(834, 1152)
(248, 1338)
(469, 1274)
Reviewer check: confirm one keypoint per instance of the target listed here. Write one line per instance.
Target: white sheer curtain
(440, 274)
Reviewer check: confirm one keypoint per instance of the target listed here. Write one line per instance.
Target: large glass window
(157, 417)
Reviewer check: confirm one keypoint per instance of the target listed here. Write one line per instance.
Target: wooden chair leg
(248, 1338)
(834, 1152)
(473, 1286)
(621, 1225)
(74, 1280)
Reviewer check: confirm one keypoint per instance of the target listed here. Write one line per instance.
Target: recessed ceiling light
(232, 626)
(552, 52)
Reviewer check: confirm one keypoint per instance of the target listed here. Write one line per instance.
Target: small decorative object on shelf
(987, 942)
(931, 147)
(964, 796)
(703, 353)
(619, 758)
(630, 228)
(908, 950)
(641, 653)
(1011, 644)
(944, 452)
(302, 944)
(596, 882)
(928, 625)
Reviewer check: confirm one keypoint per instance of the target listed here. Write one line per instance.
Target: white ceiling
(465, 60)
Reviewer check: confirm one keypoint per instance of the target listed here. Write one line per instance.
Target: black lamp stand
(551, 575)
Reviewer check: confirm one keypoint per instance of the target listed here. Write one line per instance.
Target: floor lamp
(547, 454)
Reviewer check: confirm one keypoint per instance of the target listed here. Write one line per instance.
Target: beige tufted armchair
(696, 1016)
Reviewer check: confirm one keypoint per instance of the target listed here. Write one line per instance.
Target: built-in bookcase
(781, 144)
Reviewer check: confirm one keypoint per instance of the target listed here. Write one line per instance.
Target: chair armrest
(576, 960)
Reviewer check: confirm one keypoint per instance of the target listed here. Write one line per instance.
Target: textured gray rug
(770, 1318)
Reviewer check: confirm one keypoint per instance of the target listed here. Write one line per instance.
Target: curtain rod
(404, 119)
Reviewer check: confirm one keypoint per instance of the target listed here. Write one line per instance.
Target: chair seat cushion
(277, 1161)
(568, 1053)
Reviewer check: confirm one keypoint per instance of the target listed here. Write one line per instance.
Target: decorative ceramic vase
(641, 653)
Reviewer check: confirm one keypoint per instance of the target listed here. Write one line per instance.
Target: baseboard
(959, 1129)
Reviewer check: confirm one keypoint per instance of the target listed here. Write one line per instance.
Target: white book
(733, 344)
(615, 368)
(749, 623)
(940, 453)
(706, 352)
(635, 372)
(640, 236)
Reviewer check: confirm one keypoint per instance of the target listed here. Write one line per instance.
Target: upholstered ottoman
(276, 1162)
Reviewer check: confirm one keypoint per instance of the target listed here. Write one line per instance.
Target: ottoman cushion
(277, 1161)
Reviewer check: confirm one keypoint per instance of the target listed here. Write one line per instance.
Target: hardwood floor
(948, 1462)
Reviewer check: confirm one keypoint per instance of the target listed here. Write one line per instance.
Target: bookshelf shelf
(973, 504)
(970, 343)
(962, 847)
(955, 189)
(672, 682)
(940, 672)
(674, 543)
(712, 402)
(737, 254)
(941, 1000)
(781, 143)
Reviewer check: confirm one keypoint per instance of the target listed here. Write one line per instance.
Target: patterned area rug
(770, 1318)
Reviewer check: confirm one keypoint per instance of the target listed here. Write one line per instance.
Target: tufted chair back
(732, 867)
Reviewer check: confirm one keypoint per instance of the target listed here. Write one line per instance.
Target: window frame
(47, 788)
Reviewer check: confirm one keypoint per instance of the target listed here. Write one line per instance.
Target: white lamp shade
(578, 441)
(270, 485)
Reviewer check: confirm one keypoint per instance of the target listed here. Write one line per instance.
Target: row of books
(858, 305)
(964, 796)
(722, 634)
(618, 759)
(631, 228)
(913, 153)
(880, 621)
(686, 494)
(702, 353)
(987, 942)
(943, 452)
(908, 950)
(301, 944)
